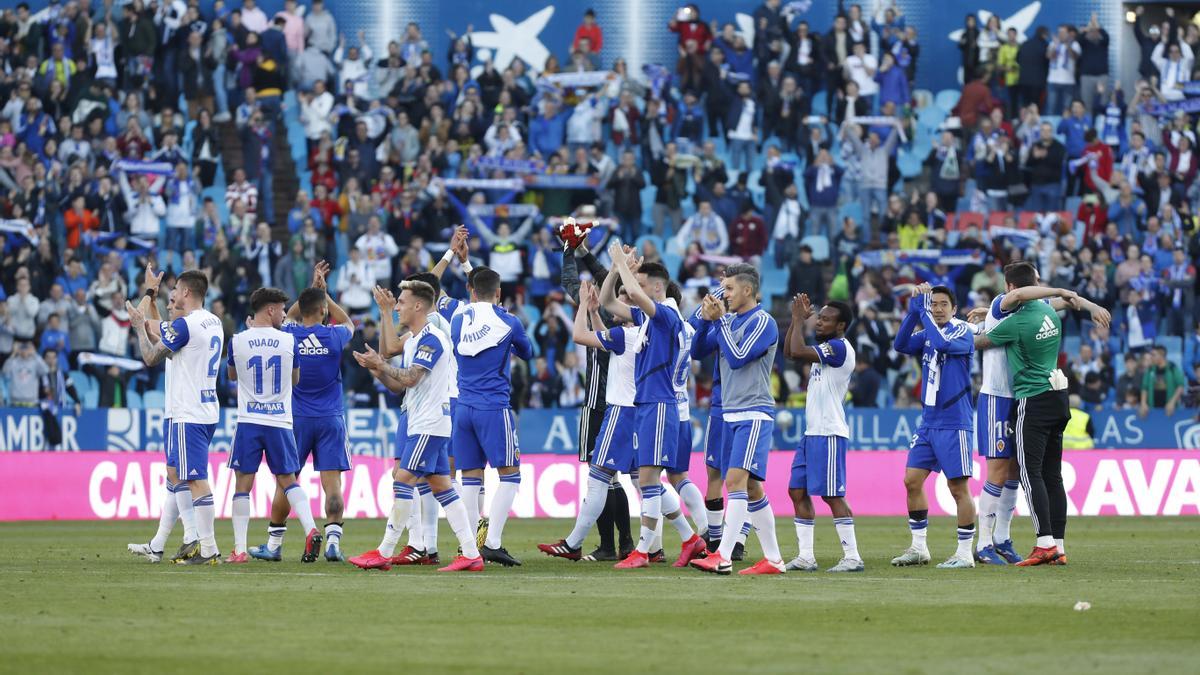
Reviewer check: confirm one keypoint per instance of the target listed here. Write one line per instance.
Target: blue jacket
(546, 134)
(827, 198)
(1073, 128)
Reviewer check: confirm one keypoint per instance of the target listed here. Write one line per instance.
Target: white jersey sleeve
(683, 369)
(195, 341)
(621, 344)
(264, 359)
(828, 383)
(997, 380)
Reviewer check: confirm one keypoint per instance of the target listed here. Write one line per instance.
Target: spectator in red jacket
(589, 30)
(748, 234)
(79, 220)
(976, 100)
(688, 24)
(1094, 216)
(1101, 162)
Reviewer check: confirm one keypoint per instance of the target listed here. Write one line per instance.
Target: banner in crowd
(554, 431)
(105, 486)
(931, 256)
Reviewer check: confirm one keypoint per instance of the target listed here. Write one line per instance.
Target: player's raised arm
(458, 245)
(608, 297)
(629, 280)
(950, 339)
(795, 347)
(1012, 300)
(582, 333)
(390, 343)
(154, 353)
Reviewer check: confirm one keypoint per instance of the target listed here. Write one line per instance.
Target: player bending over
(943, 439)
(424, 375)
(263, 361)
(819, 467)
(747, 337)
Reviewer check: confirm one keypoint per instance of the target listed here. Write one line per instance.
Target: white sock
(481, 498)
(206, 525)
(241, 520)
(690, 495)
(275, 534)
(670, 504)
(592, 507)
(657, 544)
(471, 488)
(763, 519)
(920, 533)
(460, 522)
(501, 504)
(300, 504)
(402, 505)
(804, 535)
(416, 535)
(715, 509)
(187, 513)
(1044, 541)
(1061, 547)
(744, 533)
(1005, 508)
(736, 510)
(845, 530)
(651, 510)
(989, 502)
(166, 520)
(429, 520)
(966, 534)
(333, 535)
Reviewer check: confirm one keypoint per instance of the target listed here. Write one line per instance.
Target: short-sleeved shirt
(1031, 337)
(661, 339)
(829, 380)
(264, 358)
(620, 343)
(319, 391)
(428, 403)
(195, 341)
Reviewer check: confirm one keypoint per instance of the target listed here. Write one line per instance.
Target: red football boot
(692, 548)
(371, 560)
(408, 556)
(560, 549)
(464, 564)
(765, 566)
(635, 560)
(1040, 556)
(713, 563)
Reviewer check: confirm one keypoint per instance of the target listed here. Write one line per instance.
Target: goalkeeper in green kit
(1032, 337)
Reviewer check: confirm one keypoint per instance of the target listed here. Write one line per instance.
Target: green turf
(73, 600)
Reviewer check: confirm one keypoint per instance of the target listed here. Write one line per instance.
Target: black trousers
(1038, 434)
(616, 505)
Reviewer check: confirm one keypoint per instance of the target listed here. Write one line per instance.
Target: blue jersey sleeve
(997, 312)
(665, 317)
(832, 353)
(175, 334)
(231, 362)
(520, 340)
(613, 340)
(760, 335)
(705, 341)
(295, 351)
(342, 335)
(447, 306)
(638, 316)
(429, 350)
(905, 342)
(954, 338)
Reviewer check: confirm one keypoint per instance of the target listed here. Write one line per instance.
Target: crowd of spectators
(807, 150)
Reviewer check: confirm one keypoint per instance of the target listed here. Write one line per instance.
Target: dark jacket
(1048, 169)
(1093, 56)
(596, 366)
(627, 194)
(1031, 58)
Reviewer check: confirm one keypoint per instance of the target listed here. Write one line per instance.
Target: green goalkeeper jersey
(1031, 337)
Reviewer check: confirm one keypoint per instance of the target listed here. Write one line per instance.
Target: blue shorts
(993, 426)
(187, 449)
(656, 433)
(251, 441)
(716, 452)
(484, 437)
(325, 439)
(683, 453)
(944, 450)
(426, 455)
(749, 445)
(819, 466)
(614, 444)
(401, 434)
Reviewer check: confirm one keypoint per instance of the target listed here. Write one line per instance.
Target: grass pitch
(73, 600)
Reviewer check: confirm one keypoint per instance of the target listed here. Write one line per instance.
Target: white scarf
(482, 329)
(824, 177)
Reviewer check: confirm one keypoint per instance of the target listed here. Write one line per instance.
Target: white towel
(482, 329)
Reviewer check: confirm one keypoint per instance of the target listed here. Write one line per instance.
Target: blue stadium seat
(819, 245)
(946, 99)
(1070, 345)
(155, 398)
(851, 210)
(134, 400)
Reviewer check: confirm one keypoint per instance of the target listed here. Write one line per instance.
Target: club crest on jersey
(1000, 446)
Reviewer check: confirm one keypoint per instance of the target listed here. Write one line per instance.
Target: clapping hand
(320, 272)
(136, 318)
(589, 297)
(151, 280)
(384, 300)
(712, 309)
(801, 308)
(977, 315)
(371, 360)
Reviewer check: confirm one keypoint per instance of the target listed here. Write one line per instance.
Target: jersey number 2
(214, 346)
(274, 363)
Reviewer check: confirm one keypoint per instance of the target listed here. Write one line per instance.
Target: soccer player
(193, 342)
(656, 417)
(319, 409)
(263, 361)
(424, 376)
(995, 407)
(747, 337)
(614, 451)
(177, 505)
(484, 336)
(819, 467)
(615, 513)
(677, 474)
(1032, 336)
(943, 439)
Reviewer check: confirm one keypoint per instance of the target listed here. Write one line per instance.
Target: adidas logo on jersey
(1048, 329)
(311, 346)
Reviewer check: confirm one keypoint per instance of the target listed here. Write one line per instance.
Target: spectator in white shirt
(315, 108)
(1060, 82)
(353, 64)
(242, 190)
(378, 247)
(860, 68)
(355, 281)
(253, 18)
(23, 310)
(1174, 68)
(183, 208)
(706, 228)
(146, 209)
(788, 225)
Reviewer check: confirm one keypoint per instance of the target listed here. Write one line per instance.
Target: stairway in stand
(284, 175)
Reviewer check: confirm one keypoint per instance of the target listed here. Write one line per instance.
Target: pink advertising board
(128, 485)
